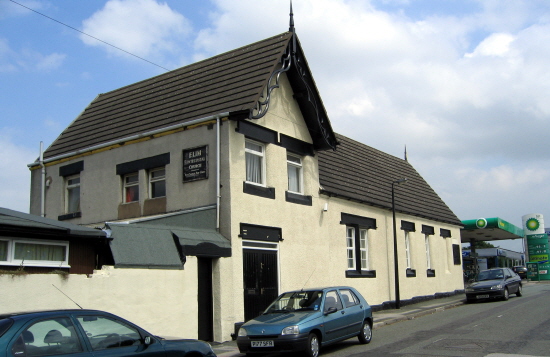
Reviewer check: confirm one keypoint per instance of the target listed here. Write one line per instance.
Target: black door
(205, 300)
(260, 281)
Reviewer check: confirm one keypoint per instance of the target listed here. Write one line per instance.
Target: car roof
(319, 288)
(38, 313)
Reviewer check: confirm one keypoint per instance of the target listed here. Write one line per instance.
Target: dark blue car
(306, 320)
(86, 333)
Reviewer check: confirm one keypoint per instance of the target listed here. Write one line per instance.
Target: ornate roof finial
(291, 28)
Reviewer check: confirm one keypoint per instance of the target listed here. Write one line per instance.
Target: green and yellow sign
(537, 247)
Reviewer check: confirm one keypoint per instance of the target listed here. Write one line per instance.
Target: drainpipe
(218, 172)
(42, 182)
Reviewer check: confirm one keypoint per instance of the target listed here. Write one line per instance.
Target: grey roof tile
(229, 82)
(361, 173)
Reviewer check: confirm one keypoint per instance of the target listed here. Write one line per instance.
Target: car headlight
(291, 330)
(242, 332)
(496, 287)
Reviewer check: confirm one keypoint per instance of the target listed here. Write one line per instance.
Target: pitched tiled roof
(229, 82)
(359, 172)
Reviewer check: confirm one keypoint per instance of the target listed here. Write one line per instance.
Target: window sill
(261, 191)
(64, 217)
(298, 198)
(361, 274)
(411, 273)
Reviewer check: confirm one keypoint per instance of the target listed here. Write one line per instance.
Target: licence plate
(261, 343)
(482, 296)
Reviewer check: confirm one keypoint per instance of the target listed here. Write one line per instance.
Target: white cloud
(145, 28)
(27, 59)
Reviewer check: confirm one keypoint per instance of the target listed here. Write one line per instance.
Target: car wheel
(519, 292)
(365, 336)
(506, 294)
(312, 345)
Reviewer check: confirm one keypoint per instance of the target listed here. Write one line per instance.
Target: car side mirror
(331, 310)
(148, 340)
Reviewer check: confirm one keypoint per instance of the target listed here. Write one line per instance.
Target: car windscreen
(296, 301)
(5, 324)
(490, 275)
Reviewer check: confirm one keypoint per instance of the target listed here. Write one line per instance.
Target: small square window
(131, 187)
(157, 182)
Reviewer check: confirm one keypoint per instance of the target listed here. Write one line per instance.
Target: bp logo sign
(481, 223)
(532, 224)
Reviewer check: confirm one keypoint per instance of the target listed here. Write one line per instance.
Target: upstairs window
(157, 182)
(255, 163)
(131, 187)
(294, 168)
(72, 194)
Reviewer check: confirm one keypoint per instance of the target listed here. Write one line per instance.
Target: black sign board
(195, 164)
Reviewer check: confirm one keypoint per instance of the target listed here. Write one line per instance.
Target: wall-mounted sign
(195, 164)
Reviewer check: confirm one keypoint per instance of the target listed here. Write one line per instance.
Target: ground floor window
(34, 253)
(357, 248)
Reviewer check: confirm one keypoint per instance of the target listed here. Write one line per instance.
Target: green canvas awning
(489, 229)
(163, 246)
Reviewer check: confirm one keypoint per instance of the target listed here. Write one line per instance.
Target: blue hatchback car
(306, 320)
(86, 333)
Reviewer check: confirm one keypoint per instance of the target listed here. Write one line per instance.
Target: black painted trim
(299, 199)
(143, 164)
(445, 233)
(361, 274)
(428, 230)
(297, 146)
(64, 217)
(257, 132)
(408, 226)
(457, 254)
(266, 192)
(71, 169)
(262, 233)
(363, 222)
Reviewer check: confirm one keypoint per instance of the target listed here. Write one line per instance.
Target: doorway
(260, 280)
(205, 300)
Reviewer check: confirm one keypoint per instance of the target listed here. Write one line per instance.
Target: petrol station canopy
(489, 229)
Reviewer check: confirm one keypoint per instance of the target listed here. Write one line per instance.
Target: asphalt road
(517, 327)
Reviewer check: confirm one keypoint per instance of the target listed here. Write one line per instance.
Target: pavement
(381, 319)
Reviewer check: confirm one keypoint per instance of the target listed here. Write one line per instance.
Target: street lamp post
(395, 260)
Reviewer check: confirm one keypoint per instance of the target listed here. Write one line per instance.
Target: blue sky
(463, 84)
